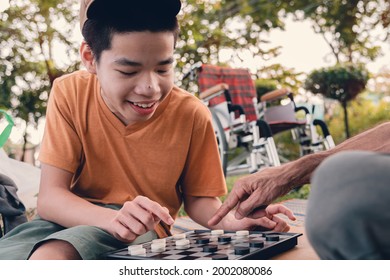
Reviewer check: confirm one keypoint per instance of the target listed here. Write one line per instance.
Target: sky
(4, 4)
(302, 50)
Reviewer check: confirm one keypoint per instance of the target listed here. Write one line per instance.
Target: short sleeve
(61, 145)
(203, 174)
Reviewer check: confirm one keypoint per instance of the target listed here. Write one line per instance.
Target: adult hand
(137, 217)
(265, 219)
(254, 191)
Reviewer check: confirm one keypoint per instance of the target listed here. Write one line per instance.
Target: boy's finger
(266, 223)
(280, 209)
(259, 212)
(157, 210)
(281, 225)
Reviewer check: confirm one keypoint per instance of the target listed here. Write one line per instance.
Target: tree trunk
(24, 144)
(346, 123)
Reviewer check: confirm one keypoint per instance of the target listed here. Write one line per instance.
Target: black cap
(128, 9)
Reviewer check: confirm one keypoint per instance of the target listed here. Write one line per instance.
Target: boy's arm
(201, 209)
(58, 204)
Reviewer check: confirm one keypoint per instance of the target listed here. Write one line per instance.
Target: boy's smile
(136, 74)
(144, 108)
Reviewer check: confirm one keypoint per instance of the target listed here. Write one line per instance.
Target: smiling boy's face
(136, 73)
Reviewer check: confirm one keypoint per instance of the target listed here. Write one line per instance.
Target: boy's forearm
(66, 209)
(58, 204)
(201, 209)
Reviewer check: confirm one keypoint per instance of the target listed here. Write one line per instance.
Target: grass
(301, 193)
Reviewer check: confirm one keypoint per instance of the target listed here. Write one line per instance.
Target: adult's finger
(247, 207)
(231, 201)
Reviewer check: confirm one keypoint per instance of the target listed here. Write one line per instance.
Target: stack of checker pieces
(211, 245)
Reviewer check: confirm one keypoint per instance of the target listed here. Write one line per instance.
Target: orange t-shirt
(171, 154)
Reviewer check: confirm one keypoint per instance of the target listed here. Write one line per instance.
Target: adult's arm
(263, 187)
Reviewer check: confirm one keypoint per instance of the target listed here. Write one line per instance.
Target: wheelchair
(245, 128)
(280, 111)
(245, 142)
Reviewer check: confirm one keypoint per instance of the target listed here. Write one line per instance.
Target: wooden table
(302, 251)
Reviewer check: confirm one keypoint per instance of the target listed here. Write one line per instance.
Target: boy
(123, 147)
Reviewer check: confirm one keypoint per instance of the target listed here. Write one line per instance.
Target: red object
(241, 86)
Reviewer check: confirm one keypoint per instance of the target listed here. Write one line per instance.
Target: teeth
(142, 105)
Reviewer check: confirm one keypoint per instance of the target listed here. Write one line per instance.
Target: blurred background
(282, 43)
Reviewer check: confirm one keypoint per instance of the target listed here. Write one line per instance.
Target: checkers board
(203, 245)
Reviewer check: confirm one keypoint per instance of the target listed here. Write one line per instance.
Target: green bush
(340, 82)
(363, 114)
(263, 86)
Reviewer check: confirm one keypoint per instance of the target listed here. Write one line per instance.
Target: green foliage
(275, 76)
(363, 114)
(29, 33)
(239, 25)
(347, 26)
(263, 86)
(287, 147)
(341, 82)
(299, 193)
(30, 30)
(210, 26)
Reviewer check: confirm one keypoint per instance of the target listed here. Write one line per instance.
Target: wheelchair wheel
(221, 140)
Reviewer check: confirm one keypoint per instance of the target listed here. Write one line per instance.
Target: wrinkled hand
(252, 192)
(264, 219)
(137, 217)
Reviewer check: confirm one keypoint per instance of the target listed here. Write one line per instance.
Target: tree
(348, 27)
(208, 27)
(363, 114)
(5, 85)
(284, 77)
(263, 86)
(341, 82)
(30, 30)
(381, 82)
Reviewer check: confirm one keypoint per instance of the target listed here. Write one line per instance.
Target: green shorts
(90, 242)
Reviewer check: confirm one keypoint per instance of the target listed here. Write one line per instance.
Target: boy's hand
(263, 219)
(137, 217)
(268, 216)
